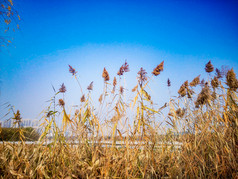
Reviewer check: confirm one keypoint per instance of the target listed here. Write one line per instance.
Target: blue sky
(91, 35)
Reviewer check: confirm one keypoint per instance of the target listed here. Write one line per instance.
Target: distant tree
(8, 21)
(12, 134)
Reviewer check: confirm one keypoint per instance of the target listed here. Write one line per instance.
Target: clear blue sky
(91, 35)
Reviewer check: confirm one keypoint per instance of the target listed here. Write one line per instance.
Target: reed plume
(61, 102)
(135, 88)
(203, 97)
(231, 80)
(100, 98)
(121, 90)
(72, 70)
(62, 88)
(158, 69)
(218, 73)
(114, 82)
(142, 77)
(121, 71)
(180, 112)
(183, 89)
(123, 68)
(195, 81)
(90, 87)
(209, 67)
(105, 75)
(215, 82)
(168, 82)
(126, 67)
(82, 99)
(17, 116)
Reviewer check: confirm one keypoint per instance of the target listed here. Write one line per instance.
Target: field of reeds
(118, 137)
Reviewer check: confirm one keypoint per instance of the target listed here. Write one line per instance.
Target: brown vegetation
(199, 140)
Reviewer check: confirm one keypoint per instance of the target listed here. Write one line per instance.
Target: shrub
(12, 134)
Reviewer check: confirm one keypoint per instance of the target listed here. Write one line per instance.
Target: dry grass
(200, 142)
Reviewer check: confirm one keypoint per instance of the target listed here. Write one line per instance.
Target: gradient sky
(91, 35)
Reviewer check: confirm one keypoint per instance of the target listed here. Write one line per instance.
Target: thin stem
(78, 84)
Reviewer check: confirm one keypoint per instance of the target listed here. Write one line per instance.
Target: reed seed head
(142, 77)
(82, 99)
(195, 81)
(209, 67)
(180, 112)
(158, 69)
(135, 88)
(203, 96)
(218, 73)
(121, 71)
(72, 70)
(215, 82)
(90, 87)
(114, 81)
(123, 68)
(100, 98)
(17, 116)
(182, 90)
(168, 82)
(186, 83)
(105, 75)
(121, 90)
(231, 80)
(126, 67)
(61, 102)
(62, 88)
(171, 114)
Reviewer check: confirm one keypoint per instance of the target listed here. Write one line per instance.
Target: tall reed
(197, 139)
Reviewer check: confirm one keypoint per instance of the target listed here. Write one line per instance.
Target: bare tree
(8, 21)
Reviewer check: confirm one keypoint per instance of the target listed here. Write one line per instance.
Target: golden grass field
(200, 140)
